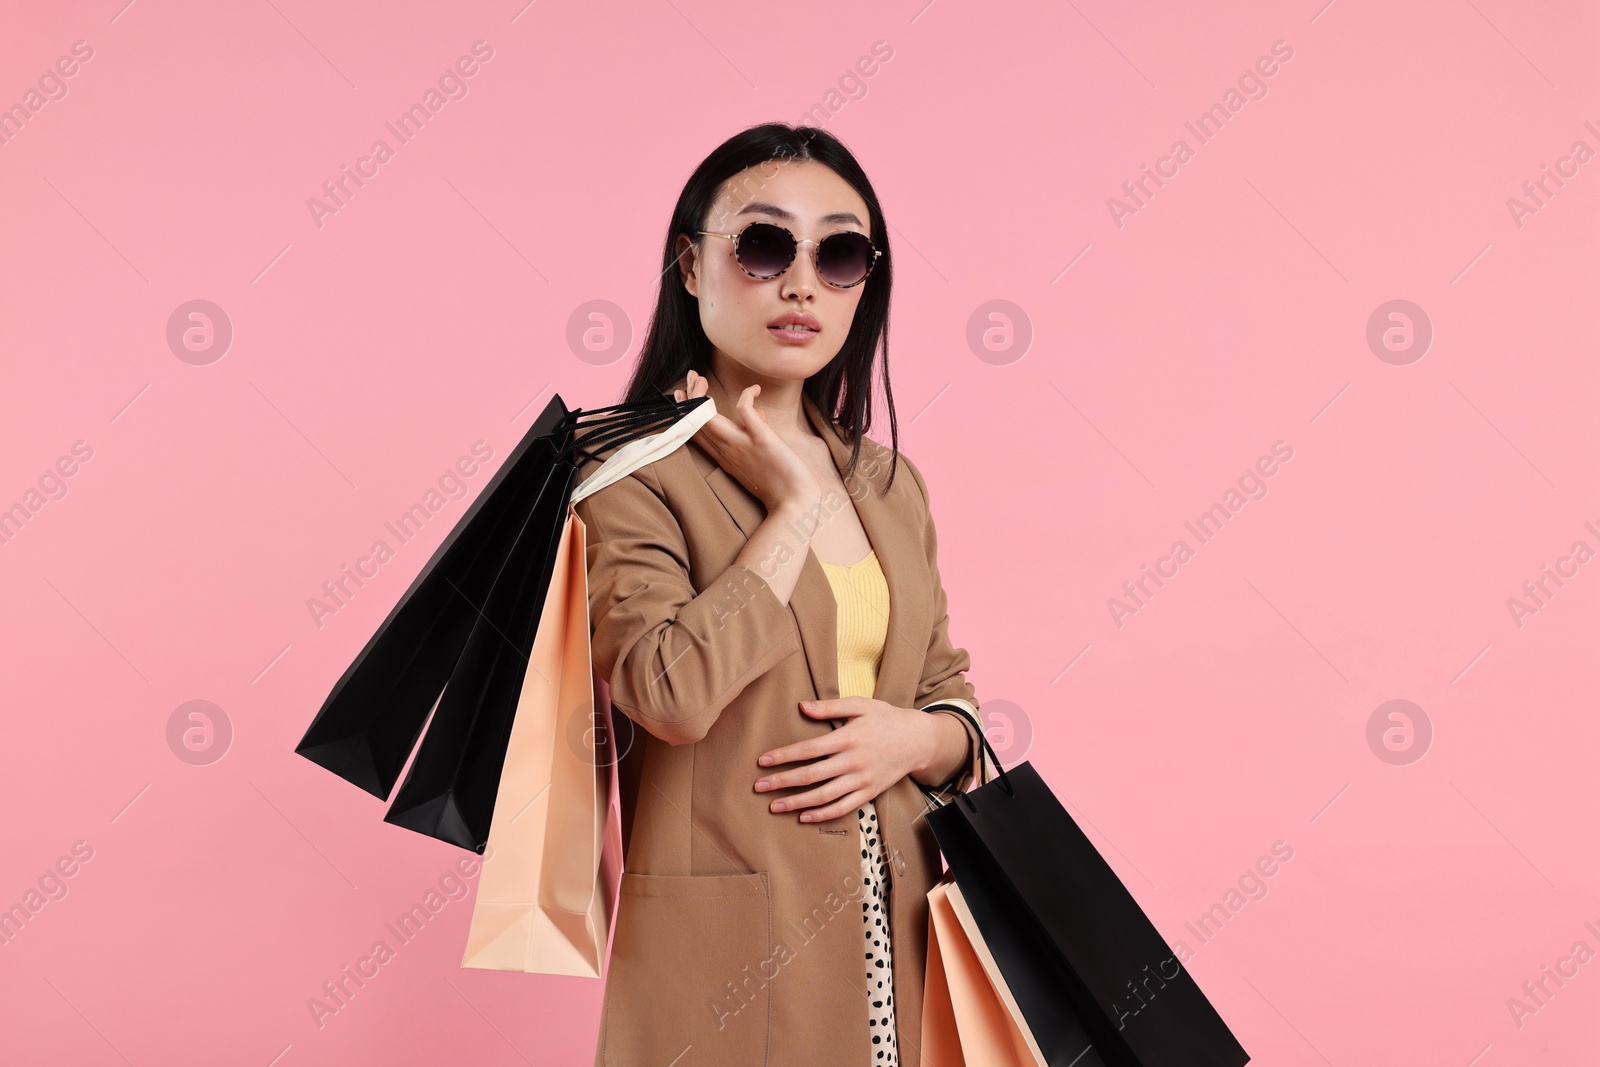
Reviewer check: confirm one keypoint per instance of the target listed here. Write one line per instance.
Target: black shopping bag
(371, 720)
(1083, 960)
(450, 789)
(464, 629)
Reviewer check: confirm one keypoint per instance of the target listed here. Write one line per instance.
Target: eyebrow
(763, 208)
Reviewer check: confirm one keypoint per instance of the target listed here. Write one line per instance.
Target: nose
(801, 278)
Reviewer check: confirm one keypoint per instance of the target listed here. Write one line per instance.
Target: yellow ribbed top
(862, 622)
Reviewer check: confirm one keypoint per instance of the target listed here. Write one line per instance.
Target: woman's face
(740, 313)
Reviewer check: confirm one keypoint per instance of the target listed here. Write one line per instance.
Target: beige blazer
(738, 937)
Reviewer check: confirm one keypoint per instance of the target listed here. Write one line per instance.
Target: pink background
(1163, 357)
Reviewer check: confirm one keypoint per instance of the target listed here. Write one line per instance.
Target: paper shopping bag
(449, 790)
(553, 867)
(969, 1017)
(1076, 949)
(465, 626)
(368, 726)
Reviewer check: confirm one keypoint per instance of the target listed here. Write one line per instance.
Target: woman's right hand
(751, 451)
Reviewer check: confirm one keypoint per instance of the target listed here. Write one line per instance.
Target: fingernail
(763, 784)
(806, 817)
(778, 805)
(764, 760)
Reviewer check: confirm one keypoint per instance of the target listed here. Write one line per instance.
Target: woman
(768, 615)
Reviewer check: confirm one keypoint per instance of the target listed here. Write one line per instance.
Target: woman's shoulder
(651, 485)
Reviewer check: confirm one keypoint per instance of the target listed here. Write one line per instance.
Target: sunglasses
(765, 250)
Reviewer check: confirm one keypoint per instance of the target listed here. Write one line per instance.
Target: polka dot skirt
(875, 922)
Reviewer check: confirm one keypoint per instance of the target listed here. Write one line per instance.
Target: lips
(797, 322)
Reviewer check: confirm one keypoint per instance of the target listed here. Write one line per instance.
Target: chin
(784, 362)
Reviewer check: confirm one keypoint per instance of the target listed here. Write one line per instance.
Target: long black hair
(675, 342)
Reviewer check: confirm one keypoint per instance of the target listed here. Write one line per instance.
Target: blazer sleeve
(673, 656)
(944, 669)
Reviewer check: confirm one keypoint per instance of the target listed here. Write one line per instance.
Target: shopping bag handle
(600, 434)
(983, 740)
(645, 450)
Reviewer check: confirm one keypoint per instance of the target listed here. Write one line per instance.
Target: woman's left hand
(875, 748)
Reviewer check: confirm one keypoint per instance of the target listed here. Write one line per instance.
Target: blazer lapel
(815, 611)
(904, 565)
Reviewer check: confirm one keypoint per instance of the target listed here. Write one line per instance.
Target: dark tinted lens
(844, 258)
(764, 249)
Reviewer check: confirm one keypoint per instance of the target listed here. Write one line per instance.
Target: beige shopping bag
(552, 867)
(548, 888)
(969, 1018)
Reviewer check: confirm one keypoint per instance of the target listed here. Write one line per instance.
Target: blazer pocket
(690, 971)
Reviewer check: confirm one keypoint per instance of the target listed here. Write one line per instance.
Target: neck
(779, 399)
